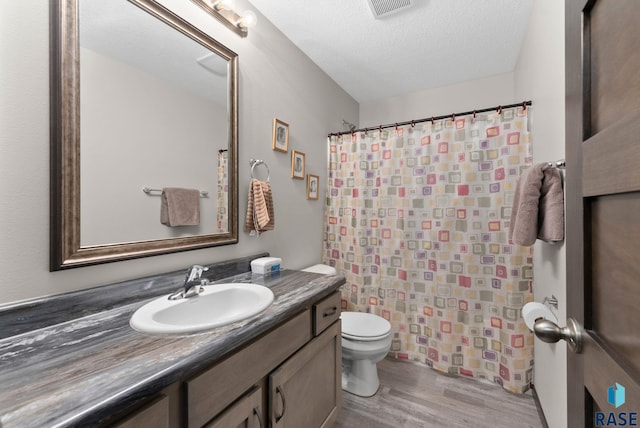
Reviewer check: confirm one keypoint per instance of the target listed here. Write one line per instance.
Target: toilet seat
(364, 327)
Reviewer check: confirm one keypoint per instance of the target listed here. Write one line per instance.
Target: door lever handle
(549, 332)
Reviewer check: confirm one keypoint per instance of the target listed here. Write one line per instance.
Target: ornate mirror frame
(65, 247)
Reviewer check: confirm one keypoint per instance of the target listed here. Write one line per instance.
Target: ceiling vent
(383, 8)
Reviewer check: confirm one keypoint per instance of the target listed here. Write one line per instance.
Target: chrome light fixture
(223, 12)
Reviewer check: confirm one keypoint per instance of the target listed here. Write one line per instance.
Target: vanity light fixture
(223, 12)
(221, 4)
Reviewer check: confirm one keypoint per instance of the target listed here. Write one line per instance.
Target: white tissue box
(265, 265)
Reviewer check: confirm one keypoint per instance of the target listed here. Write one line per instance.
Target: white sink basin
(215, 306)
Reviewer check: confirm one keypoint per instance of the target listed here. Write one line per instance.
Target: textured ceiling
(432, 44)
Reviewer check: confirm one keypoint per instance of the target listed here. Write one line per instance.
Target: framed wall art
(297, 164)
(312, 186)
(280, 140)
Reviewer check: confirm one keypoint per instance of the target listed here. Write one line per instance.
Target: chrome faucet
(192, 283)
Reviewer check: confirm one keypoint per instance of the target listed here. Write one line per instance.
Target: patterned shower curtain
(417, 220)
(223, 192)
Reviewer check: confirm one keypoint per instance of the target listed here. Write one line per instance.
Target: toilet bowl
(366, 340)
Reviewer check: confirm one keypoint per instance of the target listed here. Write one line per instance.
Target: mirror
(140, 100)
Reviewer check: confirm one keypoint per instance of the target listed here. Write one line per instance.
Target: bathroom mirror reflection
(140, 98)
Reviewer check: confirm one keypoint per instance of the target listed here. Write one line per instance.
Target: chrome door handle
(549, 332)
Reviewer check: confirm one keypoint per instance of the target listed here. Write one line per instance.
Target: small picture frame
(280, 136)
(313, 185)
(297, 164)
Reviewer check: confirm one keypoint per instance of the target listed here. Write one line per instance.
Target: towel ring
(256, 162)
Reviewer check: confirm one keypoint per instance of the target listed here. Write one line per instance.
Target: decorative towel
(260, 212)
(180, 207)
(538, 206)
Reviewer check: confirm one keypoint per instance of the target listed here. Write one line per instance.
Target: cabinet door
(306, 390)
(246, 413)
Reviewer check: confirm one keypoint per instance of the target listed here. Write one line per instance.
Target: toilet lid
(363, 326)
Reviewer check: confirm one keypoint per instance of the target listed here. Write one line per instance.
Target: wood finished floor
(412, 395)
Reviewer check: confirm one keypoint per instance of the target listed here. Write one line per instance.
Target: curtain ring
(432, 121)
(524, 106)
(396, 126)
(499, 109)
(413, 123)
(453, 117)
(380, 129)
(474, 115)
(366, 130)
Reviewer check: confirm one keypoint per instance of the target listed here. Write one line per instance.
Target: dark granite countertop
(82, 371)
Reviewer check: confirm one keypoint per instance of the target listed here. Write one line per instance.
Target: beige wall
(465, 96)
(539, 74)
(276, 80)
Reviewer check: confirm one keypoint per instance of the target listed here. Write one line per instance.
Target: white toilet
(366, 340)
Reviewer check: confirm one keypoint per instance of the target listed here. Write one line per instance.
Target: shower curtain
(417, 220)
(222, 211)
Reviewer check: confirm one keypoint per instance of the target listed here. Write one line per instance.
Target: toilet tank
(320, 268)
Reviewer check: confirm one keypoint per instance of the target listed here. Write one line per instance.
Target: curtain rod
(413, 122)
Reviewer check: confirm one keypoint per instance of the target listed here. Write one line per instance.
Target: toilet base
(360, 377)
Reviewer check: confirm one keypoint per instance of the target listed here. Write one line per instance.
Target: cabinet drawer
(326, 312)
(210, 392)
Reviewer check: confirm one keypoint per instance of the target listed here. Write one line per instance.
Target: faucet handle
(199, 267)
(195, 272)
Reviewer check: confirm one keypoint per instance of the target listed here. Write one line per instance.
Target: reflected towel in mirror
(180, 207)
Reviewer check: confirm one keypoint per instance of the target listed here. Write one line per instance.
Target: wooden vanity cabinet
(306, 390)
(289, 377)
(294, 370)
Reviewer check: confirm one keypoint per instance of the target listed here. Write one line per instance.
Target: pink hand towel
(538, 206)
(180, 207)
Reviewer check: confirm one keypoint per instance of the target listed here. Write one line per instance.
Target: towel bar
(561, 164)
(148, 190)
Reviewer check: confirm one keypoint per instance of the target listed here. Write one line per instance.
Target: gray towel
(538, 206)
(180, 207)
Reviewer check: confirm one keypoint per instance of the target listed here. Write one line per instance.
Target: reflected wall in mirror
(140, 98)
